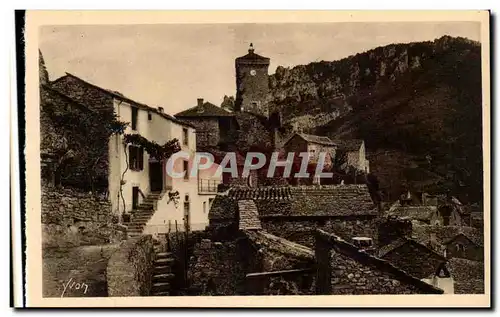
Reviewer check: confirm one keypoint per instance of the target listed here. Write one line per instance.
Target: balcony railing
(208, 186)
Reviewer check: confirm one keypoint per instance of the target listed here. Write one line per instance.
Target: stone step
(139, 221)
(162, 269)
(146, 208)
(161, 262)
(160, 287)
(142, 214)
(161, 255)
(164, 277)
(135, 225)
(161, 294)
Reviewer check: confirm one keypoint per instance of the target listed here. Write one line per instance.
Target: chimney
(160, 109)
(200, 102)
(393, 228)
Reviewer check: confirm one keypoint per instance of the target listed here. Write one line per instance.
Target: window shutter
(141, 158)
(131, 157)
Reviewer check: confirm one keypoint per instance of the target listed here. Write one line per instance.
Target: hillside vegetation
(416, 105)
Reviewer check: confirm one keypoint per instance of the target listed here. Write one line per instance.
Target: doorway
(155, 176)
(135, 197)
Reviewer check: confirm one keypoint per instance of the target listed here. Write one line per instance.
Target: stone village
(108, 203)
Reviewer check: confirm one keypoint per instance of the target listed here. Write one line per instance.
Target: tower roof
(251, 57)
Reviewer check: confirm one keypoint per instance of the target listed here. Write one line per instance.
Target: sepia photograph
(261, 159)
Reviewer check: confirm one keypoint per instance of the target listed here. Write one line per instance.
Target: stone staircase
(143, 213)
(162, 272)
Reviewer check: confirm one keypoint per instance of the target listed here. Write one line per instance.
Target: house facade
(136, 179)
(214, 125)
(355, 154)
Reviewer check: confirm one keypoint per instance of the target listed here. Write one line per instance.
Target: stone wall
(130, 269)
(71, 218)
(219, 268)
(207, 130)
(73, 143)
(293, 282)
(300, 229)
(343, 270)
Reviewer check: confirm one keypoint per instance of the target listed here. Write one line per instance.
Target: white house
(138, 184)
(148, 180)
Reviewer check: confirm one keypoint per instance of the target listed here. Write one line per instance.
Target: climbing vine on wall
(154, 149)
(76, 140)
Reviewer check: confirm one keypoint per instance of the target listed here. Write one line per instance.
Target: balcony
(208, 186)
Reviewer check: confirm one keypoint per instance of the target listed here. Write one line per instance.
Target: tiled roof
(300, 201)
(349, 145)
(223, 208)
(444, 234)
(248, 215)
(252, 57)
(391, 246)
(408, 257)
(468, 276)
(324, 140)
(274, 243)
(376, 263)
(267, 193)
(207, 109)
(423, 213)
(335, 200)
(120, 96)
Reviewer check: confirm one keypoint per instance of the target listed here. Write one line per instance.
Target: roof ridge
(331, 237)
(121, 96)
(68, 97)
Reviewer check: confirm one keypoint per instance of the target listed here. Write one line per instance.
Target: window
(460, 247)
(150, 116)
(135, 113)
(185, 168)
(135, 158)
(185, 136)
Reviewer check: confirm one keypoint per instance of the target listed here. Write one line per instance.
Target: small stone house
(355, 152)
(436, 211)
(452, 241)
(214, 125)
(312, 144)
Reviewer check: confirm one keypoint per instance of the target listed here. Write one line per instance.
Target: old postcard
(257, 159)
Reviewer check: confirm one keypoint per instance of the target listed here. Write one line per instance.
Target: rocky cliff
(416, 105)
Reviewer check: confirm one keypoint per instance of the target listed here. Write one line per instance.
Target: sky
(171, 65)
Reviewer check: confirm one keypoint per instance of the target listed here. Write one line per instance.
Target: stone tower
(252, 83)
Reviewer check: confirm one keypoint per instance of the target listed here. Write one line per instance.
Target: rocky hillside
(417, 106)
